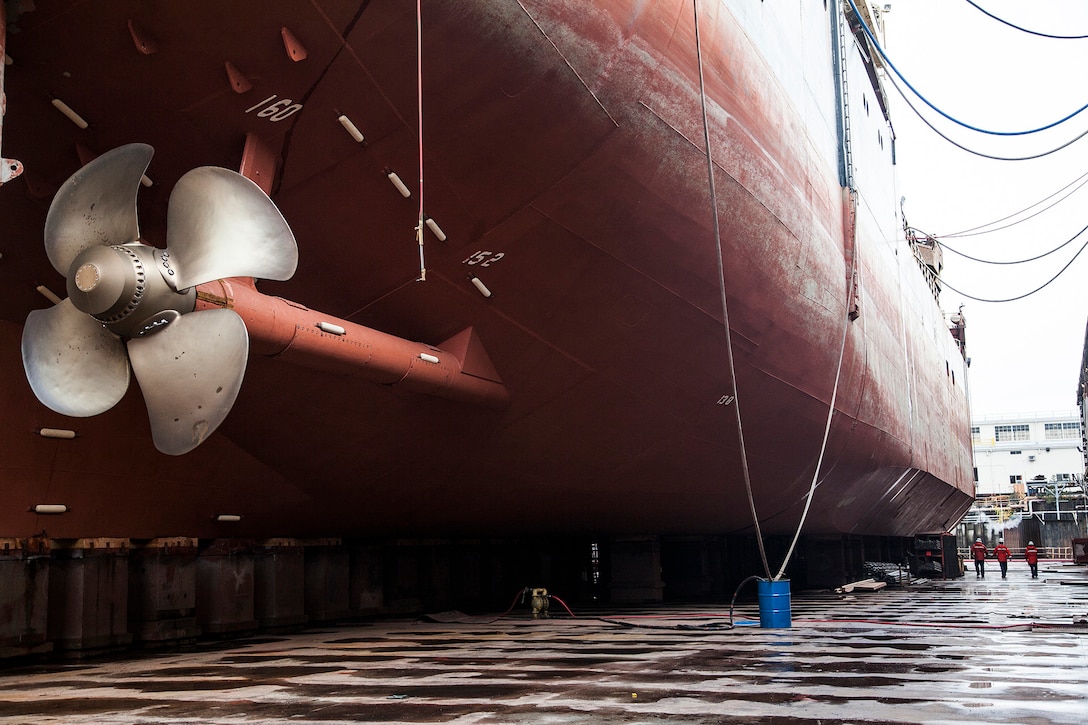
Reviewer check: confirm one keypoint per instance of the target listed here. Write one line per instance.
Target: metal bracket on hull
(850, 238)
(258, 163)
(9, 168)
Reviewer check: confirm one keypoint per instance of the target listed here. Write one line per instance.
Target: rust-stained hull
(563, 159)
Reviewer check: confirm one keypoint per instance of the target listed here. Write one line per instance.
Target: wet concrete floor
(963, 651)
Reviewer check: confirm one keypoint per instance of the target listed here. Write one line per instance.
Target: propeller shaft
(293, 333)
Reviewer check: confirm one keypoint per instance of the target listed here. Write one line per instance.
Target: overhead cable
(1018, 297)
(933, 128)
(1025, 30)
(954, 120)
(1018, 261)
(981, 229)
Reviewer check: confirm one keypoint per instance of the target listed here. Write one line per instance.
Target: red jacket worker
(978, 553)
(1002, 553)
(1031, 554)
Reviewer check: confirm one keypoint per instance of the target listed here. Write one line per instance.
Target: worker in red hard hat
(1002, 553)
(978, 553)
(1031, 554)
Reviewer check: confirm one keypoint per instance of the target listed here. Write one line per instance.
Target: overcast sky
(1025, 354)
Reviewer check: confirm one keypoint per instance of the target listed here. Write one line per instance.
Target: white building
(1015, 454)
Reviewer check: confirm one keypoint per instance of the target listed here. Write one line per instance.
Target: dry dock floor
(963, 651)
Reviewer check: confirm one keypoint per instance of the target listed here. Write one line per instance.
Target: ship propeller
(131, 306)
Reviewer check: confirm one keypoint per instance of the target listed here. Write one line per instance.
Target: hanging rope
(725, 304)
(830, 407)
(419, 121)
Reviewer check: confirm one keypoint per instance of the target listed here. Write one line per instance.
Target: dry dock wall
(74, 598)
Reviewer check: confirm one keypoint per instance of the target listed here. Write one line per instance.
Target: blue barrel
(774, 604)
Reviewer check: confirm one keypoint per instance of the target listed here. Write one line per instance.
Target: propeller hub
(87, 277)
(118, 286)
(105, 282)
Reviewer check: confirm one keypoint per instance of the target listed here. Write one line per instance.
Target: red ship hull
(563, 157)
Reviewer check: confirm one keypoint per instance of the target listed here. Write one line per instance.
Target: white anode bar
(48, 294)
(57, 433)
(478, 284)
(399, 184)
(67, 111)
(331, 328)
(435, 229)
(351, 128)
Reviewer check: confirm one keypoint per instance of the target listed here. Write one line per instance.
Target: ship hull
(563, 157)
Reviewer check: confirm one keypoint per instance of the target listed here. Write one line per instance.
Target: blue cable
(934, 129)
(1025, 30)
(891, 65)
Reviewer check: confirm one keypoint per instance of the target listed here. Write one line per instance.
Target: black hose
(734, 601)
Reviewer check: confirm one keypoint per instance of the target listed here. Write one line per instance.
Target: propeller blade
(97, 205)
(220, 224)
(190, 374)
(75, 365)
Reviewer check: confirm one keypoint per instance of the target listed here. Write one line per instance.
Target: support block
(327, 580)
(225, 587)
(636, 569)
(279, 574)
(88, 594)
(24, 592)
(162, 591)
